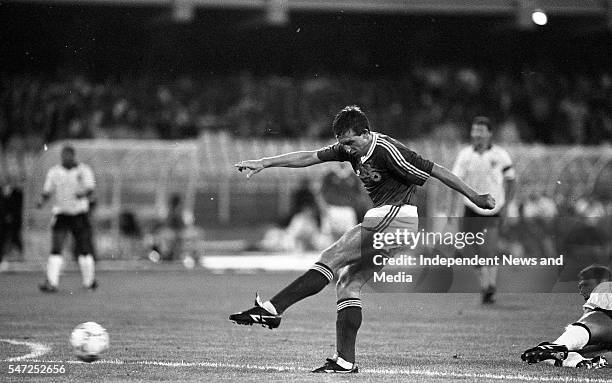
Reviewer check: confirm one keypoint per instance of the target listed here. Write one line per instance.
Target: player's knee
(348, 285)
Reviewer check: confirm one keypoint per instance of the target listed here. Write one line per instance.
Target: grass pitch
(172, 325)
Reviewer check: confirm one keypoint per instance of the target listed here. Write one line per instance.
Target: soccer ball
(88, 340)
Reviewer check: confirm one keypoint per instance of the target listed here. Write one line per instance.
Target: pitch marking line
(374, 371)
(36, 349)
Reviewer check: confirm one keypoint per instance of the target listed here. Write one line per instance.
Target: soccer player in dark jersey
(390, 173)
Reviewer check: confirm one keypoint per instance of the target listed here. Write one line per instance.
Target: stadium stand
(434, 101)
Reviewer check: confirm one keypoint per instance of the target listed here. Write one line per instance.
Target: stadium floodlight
(539, 17)
(182, 11)
(277, 12)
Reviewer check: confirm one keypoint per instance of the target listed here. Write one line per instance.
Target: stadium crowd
(531, 106)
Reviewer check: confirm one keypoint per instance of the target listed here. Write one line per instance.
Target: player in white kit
(587, 343)
(489, 169)
(71, 184)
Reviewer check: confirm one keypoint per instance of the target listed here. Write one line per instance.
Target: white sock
(344, 364)
(88, 271)
(270, 307)
(573, 358)
(54, 267)
(488, 276)
(574, 337)
(484, 277)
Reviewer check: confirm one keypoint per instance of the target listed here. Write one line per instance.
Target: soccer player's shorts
(391, 219)
(80, 228)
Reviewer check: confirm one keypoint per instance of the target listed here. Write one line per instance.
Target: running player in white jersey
(587, 343)
(71, 184)
(489, 169)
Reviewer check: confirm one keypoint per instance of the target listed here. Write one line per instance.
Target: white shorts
(389, 219)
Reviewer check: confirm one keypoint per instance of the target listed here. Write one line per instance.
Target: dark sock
(348, 322)
(309, 283)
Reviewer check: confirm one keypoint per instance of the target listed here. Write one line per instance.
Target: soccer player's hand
(254, 167)
(484, 201)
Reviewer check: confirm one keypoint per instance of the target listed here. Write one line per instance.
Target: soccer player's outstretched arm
(484, 201)
(299, 159)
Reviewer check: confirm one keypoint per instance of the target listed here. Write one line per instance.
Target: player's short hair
(597, 272)
(351, 117)
(482, 120)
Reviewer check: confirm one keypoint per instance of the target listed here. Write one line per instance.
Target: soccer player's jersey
(485, 172)
(600, 298)
(65, 184)
(389, 171)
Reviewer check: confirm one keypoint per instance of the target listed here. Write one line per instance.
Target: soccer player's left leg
(342, 252)
(592, 329)
(82, 233)
(488, 274)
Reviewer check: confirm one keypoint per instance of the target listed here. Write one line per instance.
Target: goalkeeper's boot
(332, 367)
(545, 351)
(593, 363)
(257, 314)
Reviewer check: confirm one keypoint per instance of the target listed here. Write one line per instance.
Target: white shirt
(485, 172)
(64, 184)
(601, 297)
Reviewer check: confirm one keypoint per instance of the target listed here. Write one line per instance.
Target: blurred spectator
(303, 231)
(166, 241)
(341, 194)
(302, 197)
(11, 210)
(541, 106)
(590, 208)
(539, 205)
(128, 224)
(302, 234)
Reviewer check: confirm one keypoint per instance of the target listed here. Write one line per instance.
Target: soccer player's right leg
(56, 260)
(593, 328)
(348, 317)
(599, 327)
(342, 252)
